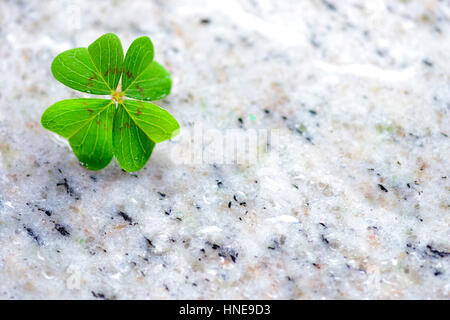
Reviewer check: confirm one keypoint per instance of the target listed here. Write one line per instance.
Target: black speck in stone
(266, 111)
(324, 240)
(436, 253)
(219, 183)
(313, 112)
(69, 189)
(382, 188)
(99, 295)
(125, 217)
(309, 139)
(61, 229)
(32, 234)
(229, 204)
(428, 63)
(437, 273)
(233, 255)
(149, 243)
(241, 122)
(313, 41)
(93, 178)
(329, 5)
(205, 21)
(163, 195)
(380, 52)
(47, 212)
(323, 225)
(275, 245)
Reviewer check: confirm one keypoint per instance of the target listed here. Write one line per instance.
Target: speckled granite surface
(353, 201)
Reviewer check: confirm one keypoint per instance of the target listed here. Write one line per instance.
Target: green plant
(97, 129)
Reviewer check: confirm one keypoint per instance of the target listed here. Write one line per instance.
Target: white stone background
(360, 93)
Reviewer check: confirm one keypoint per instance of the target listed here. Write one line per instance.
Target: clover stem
(117, 94)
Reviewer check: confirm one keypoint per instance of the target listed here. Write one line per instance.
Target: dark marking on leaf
(90, 111)
(129, 74)
(141, 91)
(90, 82)
(112, 71)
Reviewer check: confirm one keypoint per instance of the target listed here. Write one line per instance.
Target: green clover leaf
(98, 129)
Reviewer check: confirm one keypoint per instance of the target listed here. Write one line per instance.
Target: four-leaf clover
(97, 129)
